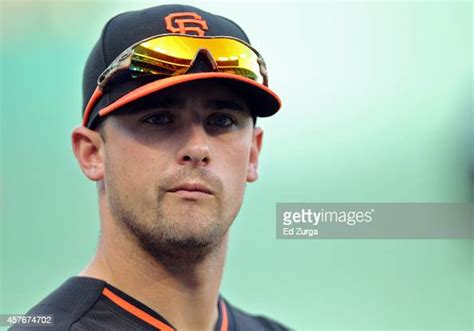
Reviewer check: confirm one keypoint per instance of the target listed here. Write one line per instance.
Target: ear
(252, 168)
(88, 148)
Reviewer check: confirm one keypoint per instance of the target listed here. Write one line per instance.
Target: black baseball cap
(131, 27)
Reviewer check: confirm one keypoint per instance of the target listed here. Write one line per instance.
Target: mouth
(191, 191)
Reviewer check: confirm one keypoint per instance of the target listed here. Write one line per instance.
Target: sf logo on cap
(186, 23)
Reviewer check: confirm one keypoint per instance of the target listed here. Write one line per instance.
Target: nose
(195, 150)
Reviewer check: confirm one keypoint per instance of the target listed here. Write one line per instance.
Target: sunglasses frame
(124, 59)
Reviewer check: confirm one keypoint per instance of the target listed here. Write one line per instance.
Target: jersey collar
(151, 317)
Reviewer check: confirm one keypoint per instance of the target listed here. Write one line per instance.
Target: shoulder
(67, 303)
(246, 321)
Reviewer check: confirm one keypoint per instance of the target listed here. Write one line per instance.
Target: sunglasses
(173, 55)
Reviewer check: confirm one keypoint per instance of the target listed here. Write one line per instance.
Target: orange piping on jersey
(224, 324)
(136, 311)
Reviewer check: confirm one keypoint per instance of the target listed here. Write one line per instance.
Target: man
(169, 136)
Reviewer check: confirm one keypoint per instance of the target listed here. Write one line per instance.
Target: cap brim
(263, 101)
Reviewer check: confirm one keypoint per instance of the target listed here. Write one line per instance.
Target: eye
(158, 119)
(221, 120)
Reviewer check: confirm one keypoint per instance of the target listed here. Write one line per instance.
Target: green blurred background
(377, 108)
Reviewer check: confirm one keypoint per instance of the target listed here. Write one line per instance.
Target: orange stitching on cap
(179, 23)
(174, 80)
(90, 105)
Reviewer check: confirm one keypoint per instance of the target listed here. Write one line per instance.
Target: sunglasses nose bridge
(203, 62)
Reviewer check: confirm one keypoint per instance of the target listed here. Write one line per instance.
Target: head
(171, 166)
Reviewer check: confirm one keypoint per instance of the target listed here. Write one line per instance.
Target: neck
(121, 262)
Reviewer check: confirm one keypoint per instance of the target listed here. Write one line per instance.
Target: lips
(192, 187)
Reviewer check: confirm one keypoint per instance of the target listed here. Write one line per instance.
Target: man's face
(176, 165)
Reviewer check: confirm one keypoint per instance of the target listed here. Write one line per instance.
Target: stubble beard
(163, 236)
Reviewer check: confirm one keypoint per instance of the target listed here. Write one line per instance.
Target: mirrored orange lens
(173, 55)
